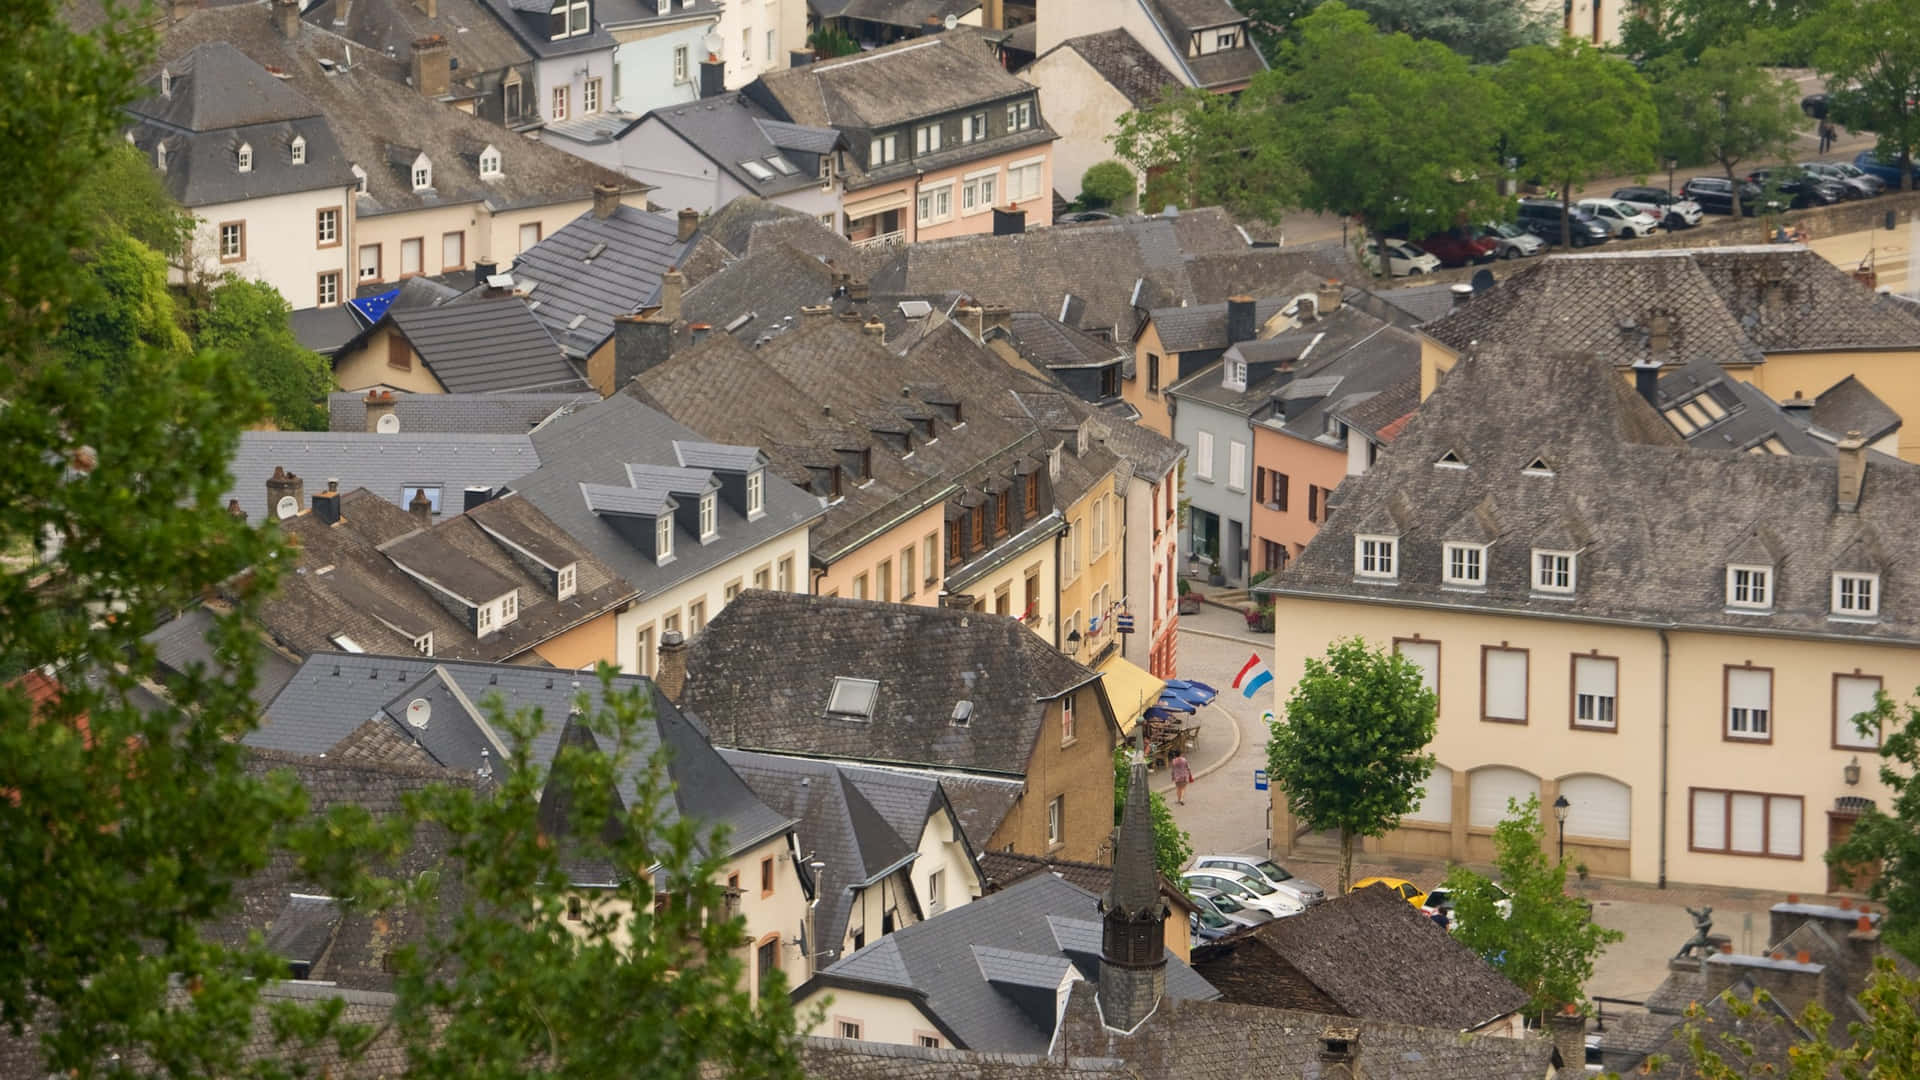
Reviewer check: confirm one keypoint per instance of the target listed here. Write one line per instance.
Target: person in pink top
(1182, 776)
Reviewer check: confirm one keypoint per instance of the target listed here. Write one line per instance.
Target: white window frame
(783, 574)
(509, 607)
(590, 97)
(680, 64)
(1549, 567)
(489, 163)
(238, 247)
(926, 139)
(1592, 708)
(974, 128)
(756, 493)
(370, 272)
(422, 175)
(1464, 564)
(1067, 726)
(1748, 722)
(483, 619)
(244, 162)
(297, 150)
(1203, 455)
(1020, 115)
(1017, 171)
(1056, 819)
(324, 296)
(1236, 465)
(883, 150)
(663, 537)
(979, 190)
(566, 579)
(1376, 556)
(1744, 581)
(708, 514)
(1848, 589)
(937, 202)
(326, 227)
(1770, 845)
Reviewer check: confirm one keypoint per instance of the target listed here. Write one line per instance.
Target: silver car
(1252, 891)
(1304, 892)
(1511, 241)
(1228, 908)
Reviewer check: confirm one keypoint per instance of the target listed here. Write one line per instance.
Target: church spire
(1133, 960)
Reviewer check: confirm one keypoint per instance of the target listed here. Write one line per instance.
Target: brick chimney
(992, 315)
(421, 507)
(286, 494)
(673, 286)
(689, 224)
(1339, 1053)
(379, 405)
(1240, 323)
(1568, 1030)
(1327, 297)
(816, 313)
(671, 673)
(432, 64)
(326, 505)
(286, 18)
(606, 199)
(1850, 471)
(874, 328)
(640, 342)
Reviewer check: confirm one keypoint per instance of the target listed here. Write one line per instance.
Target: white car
(1439, 905)
(1403, 259)
(1511, 241)
(1670, 210)
(1251, 892)
(1620, 218)
(1232, 910)
(1268, 871)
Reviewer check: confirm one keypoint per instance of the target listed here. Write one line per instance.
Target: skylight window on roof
(962, 713)
(1450, 460)
(1679, 421)
(574, 323)
(853, 699)
(345, 643)
(782, 166)
(757, 170)
(595, 251)
(1538, 467)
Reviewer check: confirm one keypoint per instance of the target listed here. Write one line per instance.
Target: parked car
(1458, 247)
(1815, 105)
(1670, 210)
(1510, 241)
(1207, 923)
(1620, 218)
(1439, 903)
(1800, 189)
(1408, 890)
(1232, 910)
(1082, 216)
(1857, 183)
(1888, 171)
(1541, 217)
(1252, 892)
(1268, 871)
(1714, 194)
(1403, 259)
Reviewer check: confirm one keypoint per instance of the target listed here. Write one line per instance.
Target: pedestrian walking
(1826, 135)
(1182, 776)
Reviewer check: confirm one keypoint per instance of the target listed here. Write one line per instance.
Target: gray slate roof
(487, 346)
(1849, 406)
(733, 129)
(1051, 343)
(1125, 64)
(324, 330)
(762, 672)
(480, 44)
(594, 269)
(1204, 326)
(528, 24)
(458, 414)
(387, 465)
(1651, 551)
(1182, 18)
(182, 642)
(962, 965)
(595, 444)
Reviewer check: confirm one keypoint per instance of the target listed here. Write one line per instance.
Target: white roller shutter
(1506, 680)
(1853, 695)
(1783, 826)
(1437, 803)
(1490, 788)
(1710, 820)
(1424, 655)
(1600, 808)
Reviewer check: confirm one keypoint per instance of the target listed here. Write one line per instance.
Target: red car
(1458, 247)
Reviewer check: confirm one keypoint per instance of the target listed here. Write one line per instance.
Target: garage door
(1437, 805)
(1600, 808)
(1490, 788)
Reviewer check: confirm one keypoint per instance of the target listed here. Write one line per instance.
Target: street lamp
(1672, 164)
(1560, 808)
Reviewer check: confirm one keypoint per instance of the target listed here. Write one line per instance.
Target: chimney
(689, 224)
(482, 270)
(1462, 293)
(286, 18)
(1339, 1046)
(379, 405)
(671, 673)
(1568, 1030)
(1660, 338)
(1646, 380)
(1240, 324)
(1327, 297)
(859, 291)
(993, 315)
(1133, 933)
(1009, 222)
(1799, 406)
(1851, 471)
(993, 15)
(606, 199)
(421, 507)
(699, 331)
(673, 286)
(474, 496)
(816, 313)
(713, 77)
(429, 8)
(285, 494)
(799, 57)
(236, 510)
(640, 342)
(326, 505)
(874, 328)
(1773, 294)
(973, 321)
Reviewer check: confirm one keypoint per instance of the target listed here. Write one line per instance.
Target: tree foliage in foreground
(1198, 148)
(1349, 749)
(1725, 108)
(248, 319)
(1483, 31)
(1873, 45)
(1884, 1045)
(1891, 838)
(1580, 114)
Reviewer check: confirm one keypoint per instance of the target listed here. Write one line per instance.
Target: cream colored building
(1088, 83)
(1675, 640)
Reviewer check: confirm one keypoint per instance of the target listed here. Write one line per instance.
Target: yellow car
(1407, 890)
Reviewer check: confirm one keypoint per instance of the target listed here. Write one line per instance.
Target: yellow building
(1674, 640)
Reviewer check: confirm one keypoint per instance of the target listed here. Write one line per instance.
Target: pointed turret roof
(1136, 884)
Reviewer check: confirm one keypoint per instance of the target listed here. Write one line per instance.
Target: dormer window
(852, 699)
(1465, 564)
(1553, 571)
(509, 607)
(1376, 556)
(1234, 375)
(160, 156)
(565, 580)
(1750, 587)
(422, 173)
(882, 150)
(1450, 460)
(707, 527)
(424, 644)
(1020, 115)
(756, 493)
(567, 18)
(298, 150)
(1856, 594)
(489, 163)
(663, 539)
(246, 157)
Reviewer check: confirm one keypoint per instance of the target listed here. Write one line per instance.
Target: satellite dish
(286, 508)
(950, 22)
(387, 425)
(1482, 280)
(418, 712)
(712, 43)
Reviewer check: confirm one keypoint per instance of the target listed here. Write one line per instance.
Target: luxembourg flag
(1252, 677)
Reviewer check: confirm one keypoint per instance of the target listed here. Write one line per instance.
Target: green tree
(249, 318)
(1579, 115)
(1891, 839)
(1198, 148)
(1883, 1044)
(1874, 46)
(1350, 748)
(122, 193)
(829, 42)
(1725, 108)
(1108, 183)
(1688, 28)
(1548, 942)
(1172, 846)
(125, 311)
(1271, 21)
(1483, 31)
(1395, 131)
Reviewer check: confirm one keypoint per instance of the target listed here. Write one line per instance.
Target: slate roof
(906, 14)
(1051, 343)
(182, 642)
(1372, 416)
(1295, 376)
(981, 802)
(595, 444)
(1373, 956)
(732, 129)
(1764, 1039)
(747, 222)
(324, 330)
(458, 414)
(381, 581)
(1204, 326)
(480, 43)
(967, 968)
(1849, 406)
(387, 465)
(1182, 18)
(849, 1059)
(761, 674)
(1213, 1040)
(1125, 64)
(528, 24)
(1424, 303)
(1004, 869)
(366, 103)
(335, 693)
(1652, 551)
(593, 269)
(482, 346)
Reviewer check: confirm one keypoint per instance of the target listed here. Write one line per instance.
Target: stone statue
(1702, 939)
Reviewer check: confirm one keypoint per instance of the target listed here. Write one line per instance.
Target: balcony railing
(886, 239)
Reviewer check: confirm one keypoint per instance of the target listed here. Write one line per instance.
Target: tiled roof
(762, 673)
(848, 1059)
(1653, 550)
(182, 643)
(480, 43)
(390, 466)
(594, 269)
(1848, 406)
(1052, 344)
(1125, 64)
(922, 76)
(487, 346)
(461, 414)
(1374, 956)
(1372, 416)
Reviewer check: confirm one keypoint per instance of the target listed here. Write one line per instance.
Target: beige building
(1089, 82)
(1674, 640)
